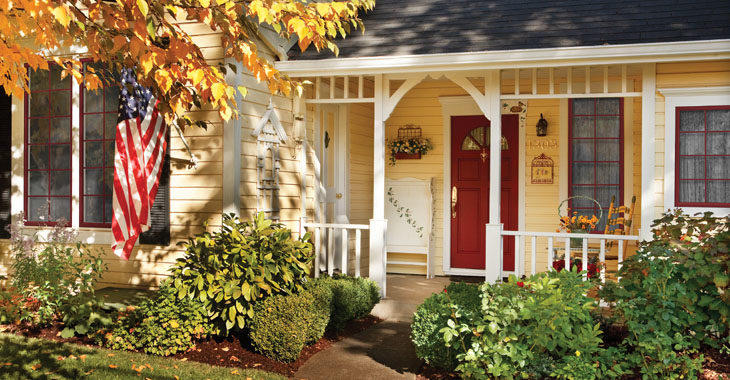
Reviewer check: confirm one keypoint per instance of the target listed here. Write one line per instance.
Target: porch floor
(383, 351)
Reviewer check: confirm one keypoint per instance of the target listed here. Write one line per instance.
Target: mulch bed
(234, 351)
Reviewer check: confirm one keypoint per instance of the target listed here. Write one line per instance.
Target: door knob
(338, 195)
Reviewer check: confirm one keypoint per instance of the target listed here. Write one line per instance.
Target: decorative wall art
(542, 169)
(269, 135)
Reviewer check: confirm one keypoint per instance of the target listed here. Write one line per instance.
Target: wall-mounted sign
(542, 169)
(542, 144)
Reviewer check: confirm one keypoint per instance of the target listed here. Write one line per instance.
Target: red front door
(470, 188)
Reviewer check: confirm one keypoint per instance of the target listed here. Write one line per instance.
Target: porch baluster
(317, 250)
(344, 251)
(358, 236)
(585, 257)
(567, 253)
(518, 245)
(602, 258)
(550, 253)
(330, 251)
(620, 253)
(533, 267)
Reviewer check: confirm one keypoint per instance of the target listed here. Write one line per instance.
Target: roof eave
(552, 57)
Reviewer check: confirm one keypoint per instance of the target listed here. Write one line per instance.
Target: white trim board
(521, 58)
(686, 97)
(465, 106)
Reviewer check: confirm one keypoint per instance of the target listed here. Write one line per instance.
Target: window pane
(718, 168)
(583, 150)
(691, 143)
(60, 182)
(93, 100)
(583, 106)
(56, 81)
(111, 98)
(37, 209)
(93, 153)
(583, 173)
(691, 121)
(39, 104)
(607, 106)
(607, 172)
(608, 126)
(60, 208)
(604, 194)
(584, 191)
(109, 153)
(93, 181)
(38, 158)
(479, 135)
(718, 191)
(109, 180)
(718, 120)
(38, 183)
(60, 103)
(718, 143)
(61, 129)
(691, 167)
(61, 156)
(691, 191)
(608, 150)
(93, 209)
(38, 130)
(94, 126)
(108, 209)
(110, 125)
(583, 126)
(39, 80)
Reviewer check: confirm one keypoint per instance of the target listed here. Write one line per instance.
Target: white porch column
(493, 247)
(648, 147)
(378, 224)
(232, 153)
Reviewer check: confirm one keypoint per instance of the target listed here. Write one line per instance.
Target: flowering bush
(593, 268)
(412, 145)
(52, 273)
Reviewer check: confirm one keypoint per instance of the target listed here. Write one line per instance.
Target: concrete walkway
(383, 351)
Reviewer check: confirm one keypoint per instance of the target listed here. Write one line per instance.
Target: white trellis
(269, 135)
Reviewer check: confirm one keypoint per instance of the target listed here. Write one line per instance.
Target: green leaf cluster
(673, 295)
(86, 315)
(352, 298)
(245, 262)
(161, 325)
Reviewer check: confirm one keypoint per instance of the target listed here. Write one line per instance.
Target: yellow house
(636, 98)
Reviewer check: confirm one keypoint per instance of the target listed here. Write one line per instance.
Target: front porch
(350, 117)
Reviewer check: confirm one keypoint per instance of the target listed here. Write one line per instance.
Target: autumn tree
(146, 35)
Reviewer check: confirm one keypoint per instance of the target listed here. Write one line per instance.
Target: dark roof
(405, 27)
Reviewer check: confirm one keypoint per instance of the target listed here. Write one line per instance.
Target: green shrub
(673, 294)
(162, 325)
(86, 314)
(522, 325)
(433, 314)
(229, 271)
(52, 273)
(283, 324)
(352, 298)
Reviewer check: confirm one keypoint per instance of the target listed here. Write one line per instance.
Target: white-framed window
(697, 149)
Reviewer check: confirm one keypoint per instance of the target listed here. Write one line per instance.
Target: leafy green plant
(229, 271)
(86, 314)
(162, 325)
(673, 294)
(54, 272)
(433, 314)
(352, 298)
(520, 322)
(283, 324)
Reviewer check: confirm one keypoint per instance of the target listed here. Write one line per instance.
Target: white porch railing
(521, 236)
(321, 231)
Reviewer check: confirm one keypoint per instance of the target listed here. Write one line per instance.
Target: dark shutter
(5, 167)
(159, 232)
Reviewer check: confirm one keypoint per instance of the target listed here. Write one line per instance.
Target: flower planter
(408, 156)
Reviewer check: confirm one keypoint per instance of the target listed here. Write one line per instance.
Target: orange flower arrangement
(577, 223)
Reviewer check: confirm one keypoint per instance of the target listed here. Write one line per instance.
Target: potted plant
(408, 148)
(579, 224)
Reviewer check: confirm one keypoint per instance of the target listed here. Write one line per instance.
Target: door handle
(338, 195)
(454, 199)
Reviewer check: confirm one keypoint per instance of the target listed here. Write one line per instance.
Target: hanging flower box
(407, 156)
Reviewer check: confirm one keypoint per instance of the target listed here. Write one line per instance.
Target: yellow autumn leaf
(162, 77)
(143, 7)
(243, 90)
(196, 76)
(61, 16)
(205, 3)
(174, 324)
(36, 366)
(112, 366)
(234, 372)
(218, 90)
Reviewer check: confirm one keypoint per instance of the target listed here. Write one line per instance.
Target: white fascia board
(523, 58)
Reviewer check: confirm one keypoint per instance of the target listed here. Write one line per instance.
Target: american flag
(140, 152)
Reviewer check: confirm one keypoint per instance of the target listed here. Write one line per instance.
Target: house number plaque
(542, 169)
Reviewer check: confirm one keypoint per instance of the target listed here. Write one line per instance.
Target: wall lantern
(542, 125)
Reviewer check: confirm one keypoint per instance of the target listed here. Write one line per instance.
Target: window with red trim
(99, 114)
(703, 156)
(595, 155)
(48, 147)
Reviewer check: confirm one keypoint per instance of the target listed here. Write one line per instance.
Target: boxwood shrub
(432, 315)
(352, 298)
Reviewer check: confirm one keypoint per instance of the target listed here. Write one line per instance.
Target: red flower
(520, 284)
(445, 291)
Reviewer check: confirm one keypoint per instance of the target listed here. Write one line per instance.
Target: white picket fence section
(327, 230)
(521, 236)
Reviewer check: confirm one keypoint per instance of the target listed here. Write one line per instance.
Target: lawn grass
(26, 358)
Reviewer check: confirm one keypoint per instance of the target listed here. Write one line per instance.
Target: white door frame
(466, 106)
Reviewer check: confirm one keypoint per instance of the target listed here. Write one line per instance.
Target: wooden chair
(618, 222)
